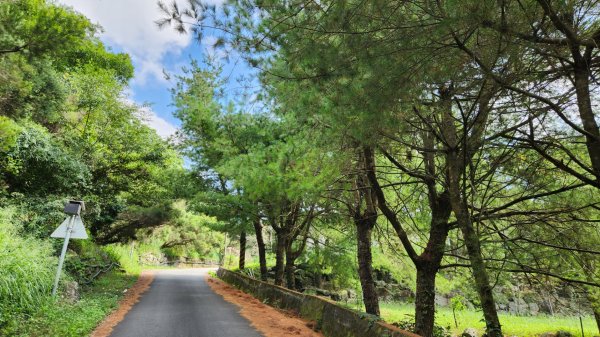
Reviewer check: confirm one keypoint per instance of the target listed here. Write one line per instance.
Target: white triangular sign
(78, 231)
(61, 231)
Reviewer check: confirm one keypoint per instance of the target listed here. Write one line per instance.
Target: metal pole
(63, 253)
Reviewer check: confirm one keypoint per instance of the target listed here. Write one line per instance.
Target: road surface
(180, 303)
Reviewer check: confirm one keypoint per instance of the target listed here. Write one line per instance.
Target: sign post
(72, 227)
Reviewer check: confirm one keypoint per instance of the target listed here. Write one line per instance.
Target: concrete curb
(332, 319)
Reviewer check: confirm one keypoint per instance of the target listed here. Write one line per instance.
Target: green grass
(522, 326)
(61, 319)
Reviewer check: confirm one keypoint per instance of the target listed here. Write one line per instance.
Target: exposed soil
(132, 296)
(267, 320)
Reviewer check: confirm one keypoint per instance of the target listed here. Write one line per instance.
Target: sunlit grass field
(522, 326)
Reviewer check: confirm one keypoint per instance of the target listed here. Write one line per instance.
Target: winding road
(180, 303)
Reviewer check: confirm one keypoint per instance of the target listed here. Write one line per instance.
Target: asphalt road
(179, 303)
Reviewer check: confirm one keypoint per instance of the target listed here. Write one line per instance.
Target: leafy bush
(90, 262)
(128, 259)
(26, 270)
(38, 164)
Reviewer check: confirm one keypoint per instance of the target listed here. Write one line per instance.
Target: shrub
(90, 262)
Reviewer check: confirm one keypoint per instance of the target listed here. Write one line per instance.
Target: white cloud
(130, 25)
(150, 118)
(161, 125)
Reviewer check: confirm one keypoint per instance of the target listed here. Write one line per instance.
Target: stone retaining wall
(332, 319)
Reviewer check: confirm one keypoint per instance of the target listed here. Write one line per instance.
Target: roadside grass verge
(522, 326)
(57, 318)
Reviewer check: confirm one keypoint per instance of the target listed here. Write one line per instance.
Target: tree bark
(318, 271)
(242, 260)
(471, 239)
(425, 300)
(279, 257)
(364, 227)
(455, 170)
(260, 242)
(586, 113)
(290, 269)
(364, 221)
(482, 282)
(292, 255)
(428, 264)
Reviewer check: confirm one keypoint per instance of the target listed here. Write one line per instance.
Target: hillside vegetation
(68, 131)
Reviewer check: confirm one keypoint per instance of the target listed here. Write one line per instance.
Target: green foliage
(56, 319)
(89, 262)
(38, 164)
(333, 256)
(27, 270)
(9, 133)
(66, 131)
(447, 95)
(39, 27)
(457, 303)
(127, 257)
(190, 235)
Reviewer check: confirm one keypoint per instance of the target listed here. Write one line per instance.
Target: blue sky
(128, 26)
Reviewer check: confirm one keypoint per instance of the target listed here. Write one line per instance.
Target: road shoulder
(132, 296)
(267, 320)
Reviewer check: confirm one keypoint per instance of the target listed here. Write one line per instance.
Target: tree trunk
(425, 300)
(482, 282)
(289, 269)
(365, 265)
(429, 263)
(318, 272)
(478, 267)
(456, 165)
(318, 278)
(586, 113)
(242, 261)
(262, 256)
(279, 257)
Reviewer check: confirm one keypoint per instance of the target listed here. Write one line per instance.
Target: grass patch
(522, 326)
(56, 318)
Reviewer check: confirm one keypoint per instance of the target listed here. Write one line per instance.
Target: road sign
(77, 232)
(72, 227)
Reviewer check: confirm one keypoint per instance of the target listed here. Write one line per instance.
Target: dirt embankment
(266, 319)
(132, 296)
